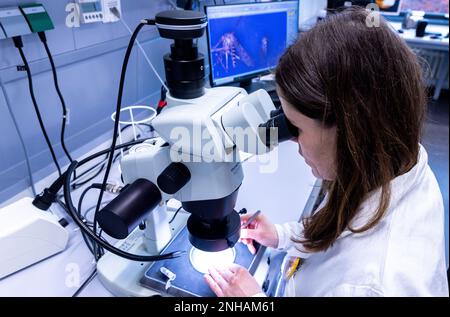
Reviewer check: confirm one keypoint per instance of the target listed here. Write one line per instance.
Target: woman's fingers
(225, 273)
(244, 219)
(233, 280)
(249, 234)
(251, 248)
(247, 237)
(245, 241)
(249, 244)
(218, 278)
(213, 285)
(235, 268)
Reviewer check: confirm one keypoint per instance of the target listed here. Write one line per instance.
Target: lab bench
(280, 184)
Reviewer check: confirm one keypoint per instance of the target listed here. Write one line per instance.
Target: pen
(251, 219)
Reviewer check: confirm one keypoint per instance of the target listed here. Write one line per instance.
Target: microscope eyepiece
(276, 112)
(277, 124)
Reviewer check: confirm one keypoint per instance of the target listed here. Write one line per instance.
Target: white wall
(308, 12)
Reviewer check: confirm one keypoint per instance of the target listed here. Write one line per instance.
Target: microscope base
(124, 278)
(121, 276)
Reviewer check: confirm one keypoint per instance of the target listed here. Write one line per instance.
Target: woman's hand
(232, 281)
(260, 230)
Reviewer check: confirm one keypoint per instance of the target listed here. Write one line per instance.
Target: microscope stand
(121, 276)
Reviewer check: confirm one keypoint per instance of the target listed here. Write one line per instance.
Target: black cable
(130, 125)
(85, 283)
(85, 191)
(87, 211)
(104, 160)
(107, 151)
(61, 98)
(117, 118)
(90, 169)
(19, 45)
(102, 163)
(89, 242)
(78, 185)
(100, 250)
(56, 186)
(118, 154)
(176, 213)
(49, 195)
(93, 235)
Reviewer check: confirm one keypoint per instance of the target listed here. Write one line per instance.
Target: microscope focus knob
(173, 178)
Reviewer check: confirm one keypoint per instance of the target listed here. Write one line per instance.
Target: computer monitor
(389, 7)
(339, 4)
(247, 40)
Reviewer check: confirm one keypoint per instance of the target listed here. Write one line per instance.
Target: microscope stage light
(203, 260)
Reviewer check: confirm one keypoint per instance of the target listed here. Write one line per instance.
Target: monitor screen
(390, 7)
(246, 40)
(339, 4)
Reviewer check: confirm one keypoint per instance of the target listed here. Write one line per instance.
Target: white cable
(145, 54)
(174, 6)
(22, 142)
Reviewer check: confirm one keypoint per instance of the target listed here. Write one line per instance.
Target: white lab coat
(403, 255)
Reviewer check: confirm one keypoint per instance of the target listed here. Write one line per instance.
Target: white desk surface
(426, 41)
(281, 195)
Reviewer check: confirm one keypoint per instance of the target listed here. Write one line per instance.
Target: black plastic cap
(173, 178)
(63, 222)
(180, 17)
(44, 200)
(169, 23)
(129, 208)
(279, 123)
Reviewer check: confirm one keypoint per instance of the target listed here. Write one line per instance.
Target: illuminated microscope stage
(189, 282)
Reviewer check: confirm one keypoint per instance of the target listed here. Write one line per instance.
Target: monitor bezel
(238, 80)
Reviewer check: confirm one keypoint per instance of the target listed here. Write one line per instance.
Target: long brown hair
(368, 83)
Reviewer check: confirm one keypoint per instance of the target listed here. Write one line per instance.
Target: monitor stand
(253, 85)
(268, 85)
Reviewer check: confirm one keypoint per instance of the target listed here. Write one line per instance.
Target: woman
(355, 93)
